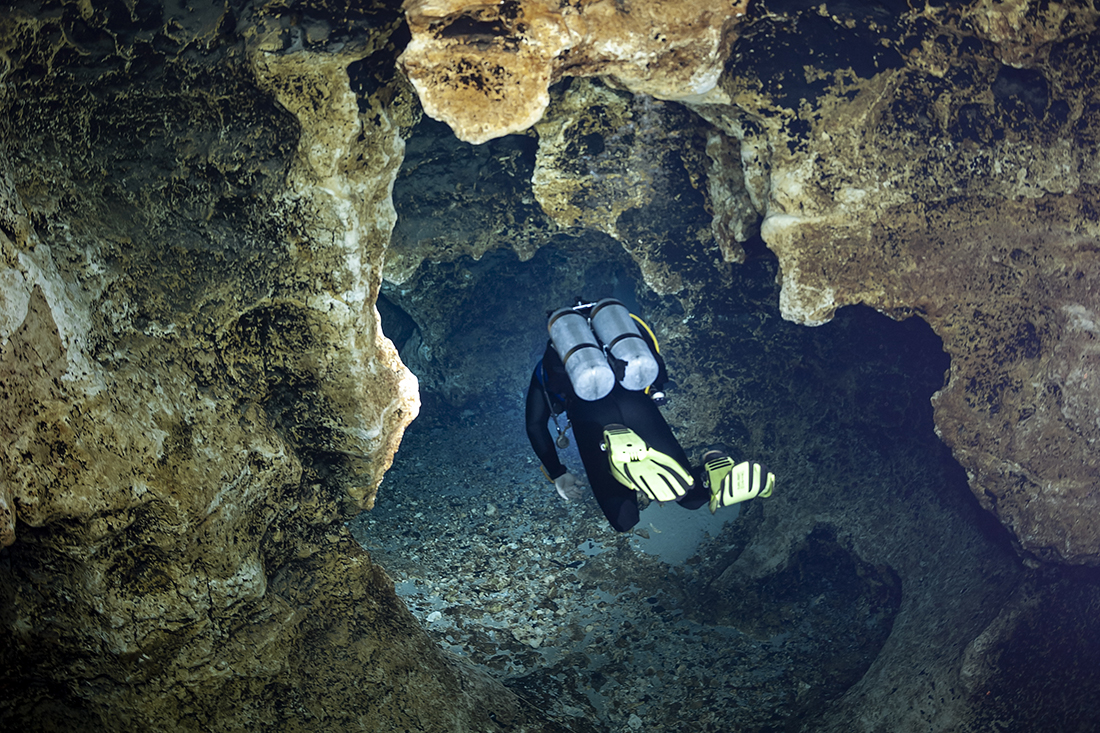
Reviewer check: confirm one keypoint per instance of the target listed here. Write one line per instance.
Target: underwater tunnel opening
(543, 593)
(504, 573)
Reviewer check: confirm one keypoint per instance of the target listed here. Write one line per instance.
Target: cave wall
(196, 392)
(945, 172)
(929, 162)
(486, 69)
(841, 413)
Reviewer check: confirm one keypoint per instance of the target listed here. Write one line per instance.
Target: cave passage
(751, 620)
(586, 621)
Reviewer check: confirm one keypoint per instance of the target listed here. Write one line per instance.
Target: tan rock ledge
(485, 68)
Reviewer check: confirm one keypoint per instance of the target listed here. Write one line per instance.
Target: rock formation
(195, 388)
(195, 214)
(933, 163)
(486, 68)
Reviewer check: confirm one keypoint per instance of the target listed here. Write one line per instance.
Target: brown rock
(934, 170)
(978, 216)
(607, 161)
(195, 390)
(485, 69)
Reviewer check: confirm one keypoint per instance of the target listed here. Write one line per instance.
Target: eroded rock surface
(485, 69)
(867, 493)
(194, 208)
(921, 175)
(934, 163)
(195, 391)
(628, 166)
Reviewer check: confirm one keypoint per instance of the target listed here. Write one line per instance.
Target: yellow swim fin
(731, 484)
(637, 466)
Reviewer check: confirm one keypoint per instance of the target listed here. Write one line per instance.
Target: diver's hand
(567, 487)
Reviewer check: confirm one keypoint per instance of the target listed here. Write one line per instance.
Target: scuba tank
(619, 334)
(584, 360)
(587, 356)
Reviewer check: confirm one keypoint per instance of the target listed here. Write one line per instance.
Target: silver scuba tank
(621, 337)
(584, 360)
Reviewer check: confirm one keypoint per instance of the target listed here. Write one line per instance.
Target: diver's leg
(645, 418)
(697, 495)
(619, 504)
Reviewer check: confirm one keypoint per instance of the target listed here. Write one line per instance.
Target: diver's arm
(537, 415)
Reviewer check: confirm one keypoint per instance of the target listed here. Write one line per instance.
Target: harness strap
(540, 375)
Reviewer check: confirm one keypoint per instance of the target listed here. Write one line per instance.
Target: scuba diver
(605, 373)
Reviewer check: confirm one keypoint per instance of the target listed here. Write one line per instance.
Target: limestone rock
(1039, 646)
(485, 69)
(195, 389)
(194, 213)
(455, 199)
(1024, 31)
(974, 211)
(629, 166)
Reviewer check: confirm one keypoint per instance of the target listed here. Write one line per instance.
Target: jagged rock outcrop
(627, 166)
(486, 68)
(938, 180)
(194, 206)
(932, 162)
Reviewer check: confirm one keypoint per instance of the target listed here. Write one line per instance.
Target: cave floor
(589, 625)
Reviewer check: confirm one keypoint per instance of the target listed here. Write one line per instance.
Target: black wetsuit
(634, 409)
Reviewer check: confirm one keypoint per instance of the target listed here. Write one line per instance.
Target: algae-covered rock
(197, 204)
(486, 69)
(194, 206)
